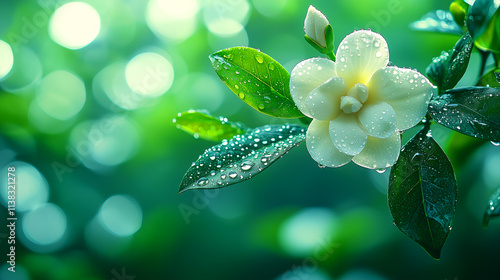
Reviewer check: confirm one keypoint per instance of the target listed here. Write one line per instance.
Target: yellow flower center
(353, 101)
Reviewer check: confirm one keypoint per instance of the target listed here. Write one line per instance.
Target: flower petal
(323, 102)
(346, 134)
(308, 75)
(378, 119)
(407, 91)
(379, 153)
(359, 55)
(320, 145)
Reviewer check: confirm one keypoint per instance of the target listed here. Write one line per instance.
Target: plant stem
(484, 58)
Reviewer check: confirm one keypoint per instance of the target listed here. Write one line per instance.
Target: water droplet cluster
(242, 157)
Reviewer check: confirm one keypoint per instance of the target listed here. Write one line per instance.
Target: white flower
(358, 103)
(315, 25)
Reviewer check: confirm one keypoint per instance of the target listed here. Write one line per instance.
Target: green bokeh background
(237, 232)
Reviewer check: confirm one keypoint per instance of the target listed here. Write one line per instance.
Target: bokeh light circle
(74, 25)
(6, 59)
(103, 143)
(305, 231)
(61, 95)
(172, 19)
(149, 74)
(121, 215)
(226, 18)
(31, 189)
(26, 72)
(44, 225)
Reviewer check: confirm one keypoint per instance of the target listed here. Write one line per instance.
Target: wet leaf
(479, 15)
(490, 79)
(447, 69)
(422, 193)
(493, 209)
(202, 125)
(242, 157)
(473, 111)
(438, 21)
(257, 79)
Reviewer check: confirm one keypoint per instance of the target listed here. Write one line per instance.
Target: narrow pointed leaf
(493, 208)
(257, 79)
(438, 21)
(447, 69)
(202, 125)
(242, 157)
(422, 193)
(473, 111)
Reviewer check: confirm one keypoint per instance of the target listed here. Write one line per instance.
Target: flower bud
(315, 26)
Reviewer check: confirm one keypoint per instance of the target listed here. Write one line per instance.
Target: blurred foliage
(330, 224)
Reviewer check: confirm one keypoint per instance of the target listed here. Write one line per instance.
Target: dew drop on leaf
(246, 165)
(202, 181)
(233, 174)
(259, 58)
(417, 159)
(496, 144)
(381, 170)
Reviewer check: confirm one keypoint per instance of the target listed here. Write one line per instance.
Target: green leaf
(459, 9)
(447, 69)
(242, 157)
(479, 16)
(422, 193)
(490, 79)
(473, 111)
(490, 40)
(202, 125)
(257, 79)
(493, 209)
(438, 21)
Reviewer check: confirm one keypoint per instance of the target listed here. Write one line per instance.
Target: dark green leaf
(438, 21)
(447, 69)
(493, 209)
(242, 157)
(490, 79)
(422, 193)
(479, 16)
(202, 125)
(473, 111)
(257, 79)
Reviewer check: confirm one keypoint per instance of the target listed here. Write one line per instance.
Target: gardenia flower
(358, 103)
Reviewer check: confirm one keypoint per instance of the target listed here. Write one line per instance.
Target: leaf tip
(434, 253)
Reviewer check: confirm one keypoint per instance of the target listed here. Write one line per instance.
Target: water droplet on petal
(381, 170)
